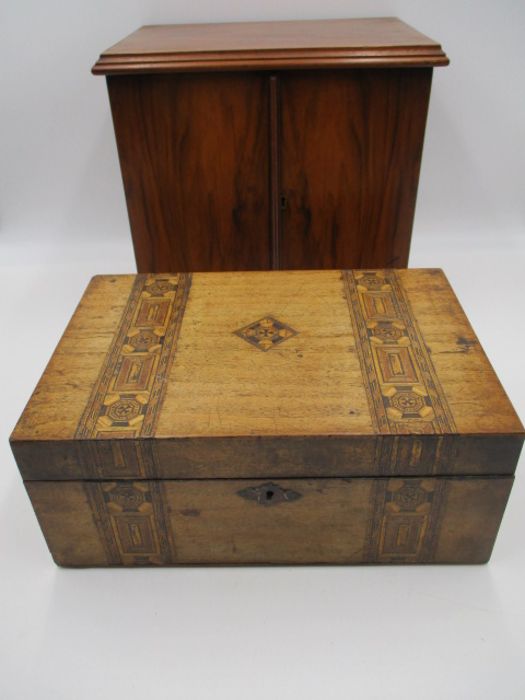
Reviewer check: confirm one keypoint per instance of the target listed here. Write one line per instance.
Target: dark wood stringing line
(169, 349)
(379, 422)
(443, 413)
(275, 175)
(377, 501)
(97, 504)
(435, 519)
(164, 531)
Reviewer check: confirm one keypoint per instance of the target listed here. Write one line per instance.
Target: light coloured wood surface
(474, 393)
(241, 45)
(59, 400)
(310, 384)
(352, 521)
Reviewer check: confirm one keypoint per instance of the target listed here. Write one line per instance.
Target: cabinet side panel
(194, 155)
(351, 153)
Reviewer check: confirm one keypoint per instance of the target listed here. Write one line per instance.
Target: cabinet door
(350, 153)
(194, 157)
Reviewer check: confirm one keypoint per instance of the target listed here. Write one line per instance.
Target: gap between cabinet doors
(277, 200)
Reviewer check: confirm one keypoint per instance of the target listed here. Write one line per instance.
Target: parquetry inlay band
(129, 391)
(132, 523)
(406, 518)
(403, 390)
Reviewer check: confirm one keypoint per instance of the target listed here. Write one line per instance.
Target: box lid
(382, 41)
(257, 374)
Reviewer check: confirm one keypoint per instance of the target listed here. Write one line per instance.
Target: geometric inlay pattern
(403, 391)
(128, 394)
(132, 521)
(266, 333)
(406, 518)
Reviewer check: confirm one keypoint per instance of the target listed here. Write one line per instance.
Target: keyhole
(269, 495)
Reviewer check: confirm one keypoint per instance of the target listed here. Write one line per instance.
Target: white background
(340, 632)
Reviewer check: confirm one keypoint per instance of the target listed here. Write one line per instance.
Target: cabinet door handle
(283, 202)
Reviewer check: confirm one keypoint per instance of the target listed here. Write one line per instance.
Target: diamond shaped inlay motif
(266, 333)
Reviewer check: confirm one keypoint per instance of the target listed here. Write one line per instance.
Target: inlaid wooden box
(271, 145)
(269, 417)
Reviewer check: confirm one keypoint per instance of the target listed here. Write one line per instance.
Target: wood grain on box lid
(221, 363)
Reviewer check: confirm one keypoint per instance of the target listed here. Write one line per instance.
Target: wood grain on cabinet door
(351, 144)
(194, 156)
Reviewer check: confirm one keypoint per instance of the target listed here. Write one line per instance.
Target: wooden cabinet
(271, 144)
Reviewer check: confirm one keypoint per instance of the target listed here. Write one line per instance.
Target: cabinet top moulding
(334, 43)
